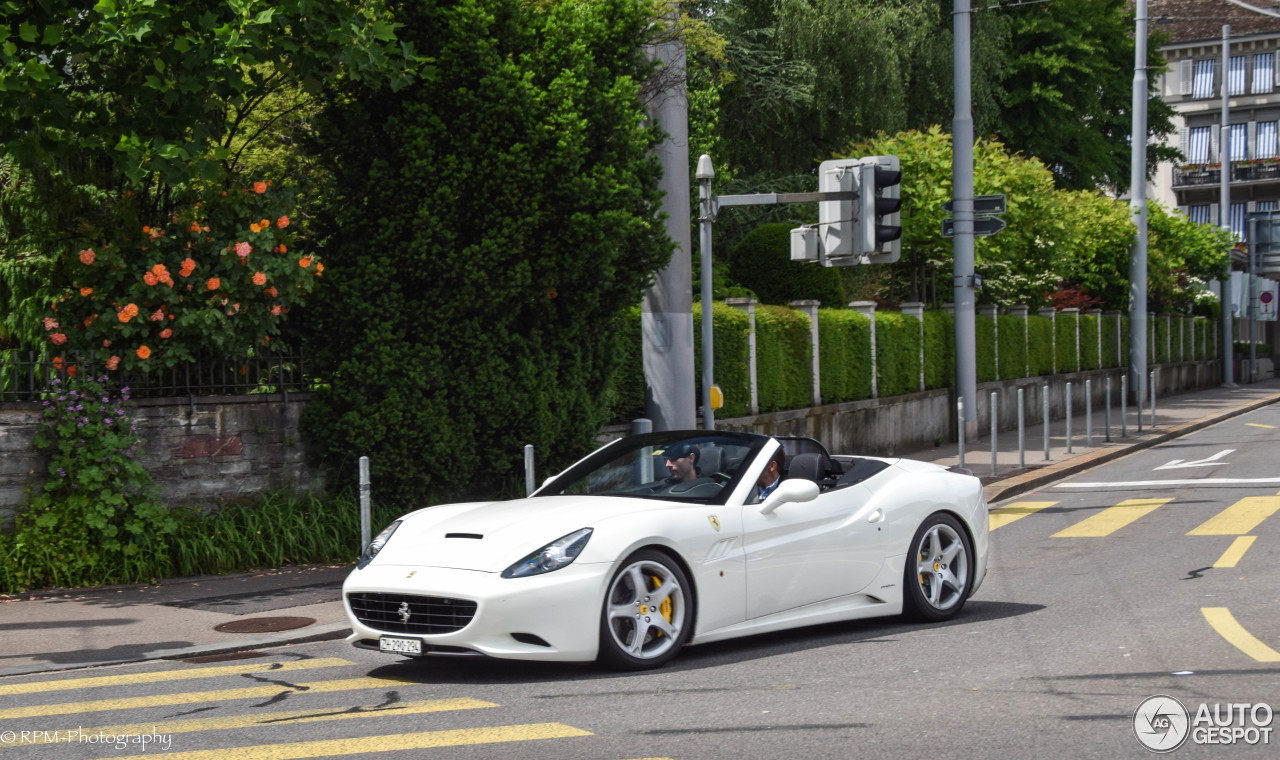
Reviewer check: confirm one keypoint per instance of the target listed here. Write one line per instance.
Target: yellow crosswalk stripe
(1234, 553)
(1002, 516)
(192, 697)
(1259, 424)
(364, 745)
(1239, 518)
(268, 719)
(1222, 621)
(159, 676)
(1111, 519)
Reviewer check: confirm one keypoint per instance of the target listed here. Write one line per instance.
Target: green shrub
(1013, 346)
(731, 329)
(784, 362)
(939, 349)
(1040, 345)
(1089, 356)
(845, 338)
(1066, 335)
(1159, 338)
(1111, 353)
(762, 262)
(627, 399)
(897, 353)
(984, 333)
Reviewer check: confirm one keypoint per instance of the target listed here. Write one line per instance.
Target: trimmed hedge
(844, 337)
(1065, 328)
(897, 353)
(731, 330)
(1040, 343)
(1089, 358)
(939, 349)
(1159, 352)
(1013, 346)
(784, 359)
(1110, 353)
(762, 262)
(984, 333)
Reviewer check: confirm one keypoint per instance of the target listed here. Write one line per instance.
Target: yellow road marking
(261, 666)
(1232, 556)
(365, 745)
(1111, 519)
(192, 697)
(1239, 518)
(1002, 516)
(261, 720)
(1225, 624)
(1259, 424)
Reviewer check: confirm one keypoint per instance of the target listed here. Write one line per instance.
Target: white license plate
(404, 646)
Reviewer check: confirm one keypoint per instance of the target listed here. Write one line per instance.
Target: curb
(326, 632)
(1028, 481)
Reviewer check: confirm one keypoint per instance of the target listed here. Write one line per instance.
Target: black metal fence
(26, 375)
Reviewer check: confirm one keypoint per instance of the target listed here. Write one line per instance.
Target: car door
(808, 552)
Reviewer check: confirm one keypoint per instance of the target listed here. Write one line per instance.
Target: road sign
(982, 226)
(982, 204)
(1266, 296)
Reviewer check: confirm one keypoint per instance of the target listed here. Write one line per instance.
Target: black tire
(647, 615)
(939, 572)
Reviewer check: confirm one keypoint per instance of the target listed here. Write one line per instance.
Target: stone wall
(206, 451)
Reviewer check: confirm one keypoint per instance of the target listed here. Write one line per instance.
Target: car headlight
(376, 544)
(553, 556)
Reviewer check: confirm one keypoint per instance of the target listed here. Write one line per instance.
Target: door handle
(875, 517)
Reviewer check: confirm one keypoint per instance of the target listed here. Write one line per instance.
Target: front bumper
(553, 617)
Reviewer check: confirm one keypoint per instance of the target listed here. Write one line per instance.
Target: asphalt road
(1135, 579)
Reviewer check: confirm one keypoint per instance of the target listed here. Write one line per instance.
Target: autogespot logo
(1161, 723)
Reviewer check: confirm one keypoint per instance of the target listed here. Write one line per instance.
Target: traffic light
(837, 220)
(879, 224)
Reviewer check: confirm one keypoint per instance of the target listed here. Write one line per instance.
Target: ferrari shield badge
(715, 522)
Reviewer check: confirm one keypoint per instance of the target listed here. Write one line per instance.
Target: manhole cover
(263, 624)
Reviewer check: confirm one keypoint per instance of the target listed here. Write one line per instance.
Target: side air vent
(463, 535)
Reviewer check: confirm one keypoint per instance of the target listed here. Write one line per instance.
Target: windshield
(698, 467)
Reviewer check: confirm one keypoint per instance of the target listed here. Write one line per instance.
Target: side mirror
(789, 492)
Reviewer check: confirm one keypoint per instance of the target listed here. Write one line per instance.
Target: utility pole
(666, 314)
(962, 210)
(1138, 212)
(1224, 210)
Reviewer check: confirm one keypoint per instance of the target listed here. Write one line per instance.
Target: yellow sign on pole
(717, 398)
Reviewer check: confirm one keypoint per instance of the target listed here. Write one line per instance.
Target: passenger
(682, 463)
(772, 475)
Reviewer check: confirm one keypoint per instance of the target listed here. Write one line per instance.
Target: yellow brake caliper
(665, 607)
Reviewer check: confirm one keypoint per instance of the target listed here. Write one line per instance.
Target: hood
(492, 536)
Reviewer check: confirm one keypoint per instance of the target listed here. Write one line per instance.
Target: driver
(682, 463)
(772, 475)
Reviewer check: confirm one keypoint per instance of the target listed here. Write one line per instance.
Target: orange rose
(143, 352)
(282, 222)
(86, 292)
(319, 267)
(213, 284)
(58, 339)
(149, 278)
(188, 266)
(165, 333)
(113, 362)
(271, 291)
(87, 256)
(259, 278)
(304, 262)
(259, 187)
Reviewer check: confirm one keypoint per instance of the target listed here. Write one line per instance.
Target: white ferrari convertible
(656, 541)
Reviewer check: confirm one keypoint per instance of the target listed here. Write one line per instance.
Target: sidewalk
(78, 628)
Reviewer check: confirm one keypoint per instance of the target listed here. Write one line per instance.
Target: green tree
(485, 231)
(1069, 92)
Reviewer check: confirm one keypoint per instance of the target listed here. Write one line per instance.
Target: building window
(1239, 134)
(1198, 145)
(1236, 221)
(1266, 147)
(1267, 206)
(1235, 75)
(1203, 87)
(1264, 73)
(1198, 214)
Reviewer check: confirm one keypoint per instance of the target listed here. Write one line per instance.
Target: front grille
(426, 614)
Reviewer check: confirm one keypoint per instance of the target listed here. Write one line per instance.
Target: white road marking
(1178, 464)
(1187, 482)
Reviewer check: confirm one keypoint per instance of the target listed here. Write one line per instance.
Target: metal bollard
(960, 418)
(993, 434)
(1044, 396)
(1153, 399)
(365, 519)
(1068, 418)
(528, 470)
(1088, 413)
(1108, 438)
(1022, 434)
(1124, 406)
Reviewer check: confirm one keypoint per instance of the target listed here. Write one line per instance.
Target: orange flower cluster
(304, 262)
(143, 352)
(283, 222)
(157, 315)
(243, 249)
(87, 256)
(165, 333)
(113, 362)
(259, 187)
(58, 338)
(153, 232)
(188, 266)
(213, 284)
(86, 292)
(158, 274)
(127, 313)
(50, 324)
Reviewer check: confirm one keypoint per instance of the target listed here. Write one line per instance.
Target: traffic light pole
(1138, 212)
(962, 200)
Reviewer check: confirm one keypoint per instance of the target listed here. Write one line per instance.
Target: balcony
(1210, 175)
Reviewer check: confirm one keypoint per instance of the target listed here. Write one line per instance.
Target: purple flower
(62, 473)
